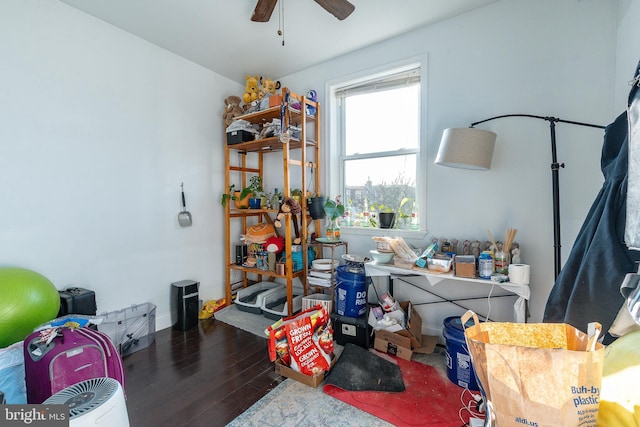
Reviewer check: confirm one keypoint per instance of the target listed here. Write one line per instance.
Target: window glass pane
(381, 181)
(382, 121)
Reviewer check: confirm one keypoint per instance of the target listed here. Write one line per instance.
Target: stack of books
(321, 278)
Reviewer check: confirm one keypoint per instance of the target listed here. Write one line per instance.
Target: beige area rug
(295, 404)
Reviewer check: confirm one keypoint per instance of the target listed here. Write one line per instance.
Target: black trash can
(184, 304)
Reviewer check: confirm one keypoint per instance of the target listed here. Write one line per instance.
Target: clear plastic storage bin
(131, 329)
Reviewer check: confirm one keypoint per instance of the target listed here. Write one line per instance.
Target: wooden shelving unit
(302, 153)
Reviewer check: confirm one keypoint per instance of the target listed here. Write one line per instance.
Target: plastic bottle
(348, 214)
(415, 218)
(485, 265)
(365, 214)
(275, 200)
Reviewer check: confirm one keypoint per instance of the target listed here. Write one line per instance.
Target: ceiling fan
(338, 8)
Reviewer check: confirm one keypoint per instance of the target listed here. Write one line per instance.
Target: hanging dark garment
(588, 287)
(632, 230)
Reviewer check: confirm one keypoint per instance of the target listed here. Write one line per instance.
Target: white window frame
(333, 155)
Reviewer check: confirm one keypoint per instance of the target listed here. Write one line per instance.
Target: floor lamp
(472, 148)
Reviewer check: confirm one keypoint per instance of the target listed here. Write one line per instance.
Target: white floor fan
(94, 402)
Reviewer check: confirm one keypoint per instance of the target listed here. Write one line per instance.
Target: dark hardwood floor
(205, 376)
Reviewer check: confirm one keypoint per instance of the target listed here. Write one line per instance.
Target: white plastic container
(251, 298)
(275, 306)
(314, 299)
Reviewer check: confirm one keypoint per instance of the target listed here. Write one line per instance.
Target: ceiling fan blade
(263, 10)
(338, 8)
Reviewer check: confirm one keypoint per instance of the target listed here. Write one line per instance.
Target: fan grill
(85, 396)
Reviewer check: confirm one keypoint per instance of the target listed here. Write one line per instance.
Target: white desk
(522, 291)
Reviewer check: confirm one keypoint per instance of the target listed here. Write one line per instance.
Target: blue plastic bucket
(351, 292)
(298, 263)
(459, 366)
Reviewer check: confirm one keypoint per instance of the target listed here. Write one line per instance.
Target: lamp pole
(555, 167)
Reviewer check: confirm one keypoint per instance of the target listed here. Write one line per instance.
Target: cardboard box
(393, 343)
(311, 381)
(412, 328)
(403, 342)
(275, 100)
(465, 266)
(400, 346)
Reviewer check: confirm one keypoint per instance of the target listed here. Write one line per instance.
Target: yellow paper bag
(537, 374)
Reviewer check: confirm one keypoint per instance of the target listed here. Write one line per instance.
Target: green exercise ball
(28, 300)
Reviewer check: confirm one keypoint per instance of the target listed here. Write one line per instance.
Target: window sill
(390, 232)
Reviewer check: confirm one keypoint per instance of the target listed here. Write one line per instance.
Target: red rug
(430, 399)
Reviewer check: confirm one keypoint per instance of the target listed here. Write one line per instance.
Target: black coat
(588, 287)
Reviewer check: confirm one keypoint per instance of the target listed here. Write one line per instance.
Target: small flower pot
(241, 204)
(316, 207)
(387, 219)
(255, 202)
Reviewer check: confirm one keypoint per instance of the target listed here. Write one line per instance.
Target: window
(379, 145)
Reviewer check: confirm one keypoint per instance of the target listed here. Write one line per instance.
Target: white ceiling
(219, 35)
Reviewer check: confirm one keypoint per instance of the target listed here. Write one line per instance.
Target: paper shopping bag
(537, 374)
(303, 342)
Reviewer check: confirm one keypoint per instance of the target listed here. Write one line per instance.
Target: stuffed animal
(251, 89)
(274, 244)
(311, 95)
(267, 87)
(231, 109)
(291, 206)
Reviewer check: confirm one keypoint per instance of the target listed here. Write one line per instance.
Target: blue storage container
(459, 367)
(350, 292)
(296, 257)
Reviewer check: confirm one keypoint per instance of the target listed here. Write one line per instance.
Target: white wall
(98, 128)
(548, 58)
(627, 52)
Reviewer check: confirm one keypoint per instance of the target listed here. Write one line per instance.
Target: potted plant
(403, 217)
(387, 216)
(334, 211)
(240, 198)
(315, 205)
(296, 193)
(255, 189)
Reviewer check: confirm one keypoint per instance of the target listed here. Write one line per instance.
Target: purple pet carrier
(72, 356)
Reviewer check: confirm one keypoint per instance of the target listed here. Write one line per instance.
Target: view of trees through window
(380, 153)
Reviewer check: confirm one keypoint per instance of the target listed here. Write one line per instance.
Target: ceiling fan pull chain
(281, 21)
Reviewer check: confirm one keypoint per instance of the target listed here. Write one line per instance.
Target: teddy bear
(231, 109)
(290, 205)
(267, 87)
(251, 89)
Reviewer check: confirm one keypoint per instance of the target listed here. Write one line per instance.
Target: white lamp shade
(467, 148)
